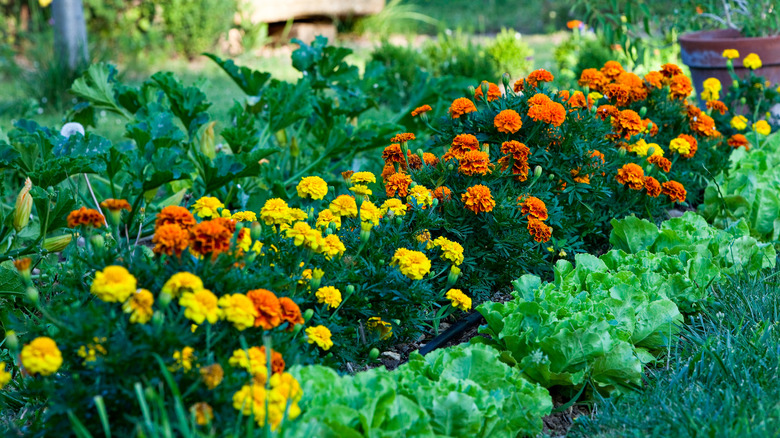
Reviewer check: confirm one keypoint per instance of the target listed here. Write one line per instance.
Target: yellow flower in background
(253, 360)
(395, 205)
(421, 195)
(752, 61)
(200, 306)
(730, 54)
(207, 206)
(44, 3)
(711, 90)
(362, 178)
(139, 306)
(370, 213)
(425, 236)
(303, 234)
(286, 385)
(41, 356)
(244, 239)
(90, 351)
(244, 216)
(344, 205)
(361, 190)
(458, 299)
(5, 376)
(329, 295)
(182, 282)
(739, 123)
(212, 375)
(114, 284)
(184, 359)
(312, 187)
(326, 217)
(203, 413)
(641, 147)
(680, 145)
(319, 335)
(275, 212)
(225, 213)
(762, 127)
(296, 214)
(451, 251)
(413, 264)
(332, 246)
(239, 310)
(384, 328)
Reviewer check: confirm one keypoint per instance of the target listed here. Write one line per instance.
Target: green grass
(722, 380)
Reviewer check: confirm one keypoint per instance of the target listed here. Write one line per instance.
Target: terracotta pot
(702, 52)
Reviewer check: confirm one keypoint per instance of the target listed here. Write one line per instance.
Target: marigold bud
(294, 149)
(453, 276)
(734, 83)
(23, 207)
(158, 318)
(281, 137)
(537, 171)
(485, 88)
(297, 328)
(642, 111)
(32, 294)
(164, 299)
(307, 315)
(11, 340)
(256, 230)
(505, 80)
(471, 91)
(373, 354)
(98, 241)
(350, 289)
(743, 101)
(207, 143)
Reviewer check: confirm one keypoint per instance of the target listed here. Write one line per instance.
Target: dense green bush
(195, 25)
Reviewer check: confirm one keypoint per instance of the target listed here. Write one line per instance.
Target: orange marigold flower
(553, 113)
(402, 138)
(534, 208)
(268, 307)
(632, 175)
(579, 178)
(674, 190)
(619, 93)
(420, 110)
(461, 106)
(393, 154)
(508, 121)
(652, 186)
(170, 239)
(660, 162)
(577, 100)
(607, 111)
(474, 162)
(718, 106)
(593, 79)
(442, 193)
(430, 159)
(650, 127)
(680, 87)
(519, 85)
(415, 162)
(209, 237)
(671, 70)
(226, 222)
(702, 123)
(539, 99)
(516, 149)
(290, 312)
(597, 156)
(478, 199)
(574, 24)
(627, 124)
(612, 69)
(347, 174)
(493, 91)
(461, 144)
(85, 216)
(691, 141)
(116, 204)
(539, 230)
(630, 80)
(398, 184)
(655, 79)
(174, 214)
(537, 76)
(739, 140)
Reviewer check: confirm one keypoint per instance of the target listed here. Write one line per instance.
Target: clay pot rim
(722, 36)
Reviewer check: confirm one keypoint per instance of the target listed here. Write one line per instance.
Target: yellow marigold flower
(212, 375)
(139, 306)
(275, 212)
(395, 205)
(344, 205)
(90, 351)
(253, 360)
(182, 282)
(361, 190)
(459, 299)
(421, 196)
(362, 178)
(5, 376)
(239, 310)
(296, 214)
(384, 328)
(712, 84)
(225, 213)
(370, 213)
(312, 187)
(752, 61)
(329, 295)
(303, 234)
(319, 335)
(244, 216)
(326, 217)
(658, 151)
(114, 284)
(680, 145)
(286, 385)
(425, 237)
(44, 3)
(762, 127)
(41, 356)
(739, 123)
(413, 264)
(207, 206)
(200, 305)
(244, 239)
(731, 53)
(203, 413)
(184, 359)
(332, 246)
(451, 251)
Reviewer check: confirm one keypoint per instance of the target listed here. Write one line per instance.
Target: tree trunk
(70, 34)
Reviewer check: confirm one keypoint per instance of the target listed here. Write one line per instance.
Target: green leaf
(10, 282)
(632, 234)
(250, 81)
(96, 86)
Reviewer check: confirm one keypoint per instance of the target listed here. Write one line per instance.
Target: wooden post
(70, 34)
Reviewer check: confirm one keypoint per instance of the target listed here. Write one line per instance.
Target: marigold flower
(200, 305)
(344, 205)
(41, 356)
(593, 79)
(632, 175)
(730, 54)
(394, 205)
(655, 79)
(209, 237)
(328, 295)
(174, 214)
(493, 92)
(244, 216)
(459, 300)
(290, 312)
(87, 217)
(22, 265)
(762, 127)
(694, 145)
(170, 239)
(312, 187)
(540, 75)
(442, 193)
(551, 112)
(474, 163)
(255, 361)
(393, 154)
(114, 284)
(461, 144)
(420, 110)
(619, 93)
(627, 124)
(430, 159)
(207, 206)
(268, 307)
(739, 122)
(139, 306)
(539, 230)
(652, 186)
(362, 178)
(421, 196)
(508, 121)
(183, 359)
(360, 190)
(718, 106)
(275, 211)
(181, 283)
(534, 207)
(661, 162)
(212, 375)
(607, 111)
(574, 24)
(319, 335)
(674, 190)
(597, 156)
(461, 106)
(239, 310)
(451, 251)
(425, 237)
(612, 69)
(401, 138)
(326, 217)
(90, 351)
(519, 86)
(303, 234)
(680, 145)
(398, 184)
(413, 264)
(5, 376)
(670, 70)
(752, 61)
(701, 123)
(538, 99)
(384, 328)
(680, 87)
(332, 245)
(478, 199)
(577, 100)
(116, 205)
(203, 412)
(739, 140)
